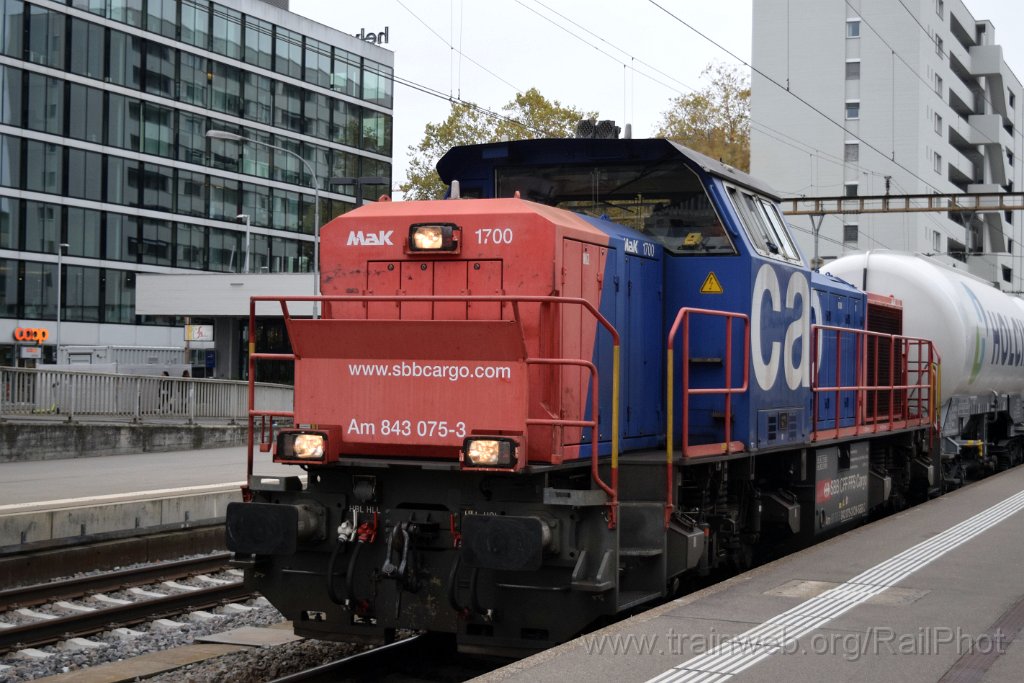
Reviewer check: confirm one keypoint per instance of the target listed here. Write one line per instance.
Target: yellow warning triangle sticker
(711, 285)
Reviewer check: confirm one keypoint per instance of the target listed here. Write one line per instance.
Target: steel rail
(423, 657)
(88, 623)
(41, 593)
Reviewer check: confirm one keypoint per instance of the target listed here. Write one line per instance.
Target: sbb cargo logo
(31, 334)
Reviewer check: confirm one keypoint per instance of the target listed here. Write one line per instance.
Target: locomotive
(597, 368)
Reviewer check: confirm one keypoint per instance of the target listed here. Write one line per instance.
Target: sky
(626, 59)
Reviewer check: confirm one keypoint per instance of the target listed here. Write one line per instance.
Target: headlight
(301, 446)
(309, 446)
(434, 237)
(489, 452)
(428, 237)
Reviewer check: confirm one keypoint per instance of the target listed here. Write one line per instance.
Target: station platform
(934, 593)
(63, 501)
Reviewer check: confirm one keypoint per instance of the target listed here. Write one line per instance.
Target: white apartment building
(912, 97)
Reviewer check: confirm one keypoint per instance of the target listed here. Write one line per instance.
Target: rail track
(67, 620)
(420, 658)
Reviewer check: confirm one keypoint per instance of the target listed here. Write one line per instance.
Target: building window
(936, 241)
(853, 110)
(194, 82)
(45, 36)
(42, 227)
(937, 162)
(1007, 274)
(940, 8)
(850, 190)
(853, 69)
(345, 76)
(46, 172)
(850, 234)
(226, 89)
(851, 152)
(162, 17)
(288, 53)
(377, 83)
(1011, 98)
(227, 31)
(10, 223)
(85, 174)
(190, 246)
(1009, 157)
(87, 48)
(259, 95)
(318, 63)
(195, 23)
(938, 84)
(259, 42)
(938, 124)
(125, 63)
(938, 45)
(45, 104)
(83, 234)
(853, 28)
(159, 73)
(82, 294)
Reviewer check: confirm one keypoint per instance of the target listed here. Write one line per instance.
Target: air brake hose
(452, 599)
(331, 593)
(348, 585)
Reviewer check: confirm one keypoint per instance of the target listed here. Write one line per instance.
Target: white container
(978, 330)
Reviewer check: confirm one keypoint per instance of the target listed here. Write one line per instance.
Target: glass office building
(104, 109)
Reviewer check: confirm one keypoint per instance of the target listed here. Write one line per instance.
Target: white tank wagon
(977, 329)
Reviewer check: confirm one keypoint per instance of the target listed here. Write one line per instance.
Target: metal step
(629, 599)
(640, 552)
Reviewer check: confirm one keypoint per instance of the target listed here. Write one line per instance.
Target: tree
(716, 119)
(529, 115)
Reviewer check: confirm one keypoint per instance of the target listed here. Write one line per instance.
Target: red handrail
(914, 351)
(683, 318)
(514, 301)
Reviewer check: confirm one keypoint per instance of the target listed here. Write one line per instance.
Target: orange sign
(31, 334)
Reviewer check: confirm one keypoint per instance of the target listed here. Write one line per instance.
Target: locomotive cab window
(764, 225)
(666, 201)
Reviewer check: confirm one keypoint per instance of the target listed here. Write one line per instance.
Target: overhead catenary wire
(790, 92)
(455, 96)
(458, 50)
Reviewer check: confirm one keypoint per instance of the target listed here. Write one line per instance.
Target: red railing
(683, 318)
(611, 489)
(903, 395)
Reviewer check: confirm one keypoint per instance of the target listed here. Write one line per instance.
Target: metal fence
(39, 392)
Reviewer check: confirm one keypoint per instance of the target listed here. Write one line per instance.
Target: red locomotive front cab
(431, 345)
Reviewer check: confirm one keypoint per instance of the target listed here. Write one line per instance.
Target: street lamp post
(228, 135)
(359, 182)
(60, 285)
(247, 231)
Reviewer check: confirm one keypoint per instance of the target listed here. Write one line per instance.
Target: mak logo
(358, 238)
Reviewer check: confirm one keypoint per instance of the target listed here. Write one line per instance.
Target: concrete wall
(95, 522)
(55, 440)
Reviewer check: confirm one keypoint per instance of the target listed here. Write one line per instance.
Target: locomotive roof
(471, 159)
